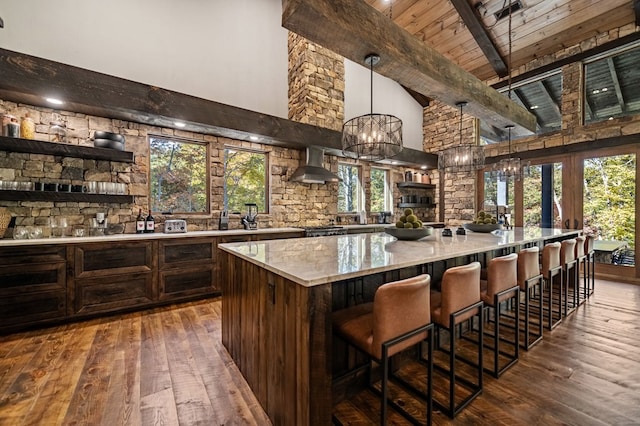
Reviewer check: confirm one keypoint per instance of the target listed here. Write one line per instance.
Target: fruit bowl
(487, 227)
(409, 234)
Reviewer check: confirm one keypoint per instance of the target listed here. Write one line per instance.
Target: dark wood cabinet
(32, 285)
(187, 267)
(109, 277)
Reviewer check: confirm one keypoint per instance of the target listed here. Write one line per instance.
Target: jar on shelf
(58, 131)
(27, 127)
(416, 177)
(13, 128)
(6, 119)
(408, 176)
(426, 178)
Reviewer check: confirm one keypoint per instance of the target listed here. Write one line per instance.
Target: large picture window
(245, 179)
(350, 189)
(178, 176)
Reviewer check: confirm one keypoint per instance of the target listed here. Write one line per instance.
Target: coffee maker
(250, 220)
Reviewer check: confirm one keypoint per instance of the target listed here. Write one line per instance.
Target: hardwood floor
(167, 366)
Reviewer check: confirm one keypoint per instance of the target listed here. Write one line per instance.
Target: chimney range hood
(313, 171)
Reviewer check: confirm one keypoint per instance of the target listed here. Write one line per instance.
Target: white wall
(388, 98)
(228, 51)
(234, 52)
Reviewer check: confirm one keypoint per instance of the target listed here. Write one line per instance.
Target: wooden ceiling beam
(354, 29)
(481, 35)
(636, 10)
(28, 79)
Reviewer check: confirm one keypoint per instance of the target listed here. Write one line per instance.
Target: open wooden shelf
(79, 197)
(64, 150)
(416, 185)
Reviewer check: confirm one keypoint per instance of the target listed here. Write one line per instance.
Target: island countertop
(314, 261)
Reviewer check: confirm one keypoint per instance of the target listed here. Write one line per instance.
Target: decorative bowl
(475, 227)
(409, 234)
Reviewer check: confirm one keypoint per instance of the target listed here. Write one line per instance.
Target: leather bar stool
(530, 283)
(569, 274)
(581, 260)
(552, 274)
(398, 318)
(500, 287)
(458, 301)
(590, 264)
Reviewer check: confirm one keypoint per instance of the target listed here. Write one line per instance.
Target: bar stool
(581, 260)
(530, 282)
(501, 286)
(398, 318)
(569, 274)
(551, 269)
(458, 301)
(590, 264)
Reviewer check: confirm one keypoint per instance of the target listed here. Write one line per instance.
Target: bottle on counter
(140, 223)
(27, 127)
(149, 224)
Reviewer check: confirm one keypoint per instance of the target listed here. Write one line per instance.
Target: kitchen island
(278, 297)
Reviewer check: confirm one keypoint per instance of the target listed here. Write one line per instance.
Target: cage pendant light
(461, 158)
(372, 136)
(511, 167)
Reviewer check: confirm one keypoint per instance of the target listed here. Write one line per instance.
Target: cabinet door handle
(575, 223)
(566, 224)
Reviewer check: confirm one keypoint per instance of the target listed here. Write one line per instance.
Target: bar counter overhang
(278, 296)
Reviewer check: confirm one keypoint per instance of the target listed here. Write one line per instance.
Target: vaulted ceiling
(468, 32)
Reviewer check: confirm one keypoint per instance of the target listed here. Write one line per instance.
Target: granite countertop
(140, 237)
(319, 260)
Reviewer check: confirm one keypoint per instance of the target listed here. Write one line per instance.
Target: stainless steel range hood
(312, 171)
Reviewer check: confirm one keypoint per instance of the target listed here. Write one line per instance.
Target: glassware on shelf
(27, 127)
(58, 131)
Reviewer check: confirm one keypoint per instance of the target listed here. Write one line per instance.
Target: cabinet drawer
(21, 255)
(113, 259)
(184, 253)
(116, 292)
(19, 279)
(187, 282)
(24, 309)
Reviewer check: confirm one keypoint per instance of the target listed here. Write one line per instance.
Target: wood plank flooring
(167, 366)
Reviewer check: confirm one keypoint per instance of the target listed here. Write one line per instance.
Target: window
(178, 176)
(381, 195)
(350, 189)
(245, 179)
(542, 97)
(612, 87)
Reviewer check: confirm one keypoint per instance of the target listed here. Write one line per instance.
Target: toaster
(175, 226)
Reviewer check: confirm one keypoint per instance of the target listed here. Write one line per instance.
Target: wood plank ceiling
(539, 27)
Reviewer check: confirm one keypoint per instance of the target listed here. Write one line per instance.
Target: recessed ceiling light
(253, 138)
(394, 162)
(596, 91)
(610, 118)
(423, 167)
(54, 101)
(534, 107)
(179, 124)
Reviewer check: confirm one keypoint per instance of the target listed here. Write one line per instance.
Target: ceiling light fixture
(372, 136)
(179, 124)
(461, 158)
(510, 167)
(253, 138)
(54, 101)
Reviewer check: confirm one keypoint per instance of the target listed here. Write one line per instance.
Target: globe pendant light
(461, 158)
(372, 136)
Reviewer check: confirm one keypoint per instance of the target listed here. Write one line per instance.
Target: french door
(594, 191)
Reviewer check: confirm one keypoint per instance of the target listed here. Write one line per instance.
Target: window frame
(360, 197)
(267, 175)
(207, 145)
(388, 189)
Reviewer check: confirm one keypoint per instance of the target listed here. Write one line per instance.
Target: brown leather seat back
(588, 244)
(460, 289)
(550, 257)
(528, 266)
(567, 251)
(579, 252)
(502, 274)
(400, 307)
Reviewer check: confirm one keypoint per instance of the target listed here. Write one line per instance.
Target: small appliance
(223, 225)
(175, 226)
(250, 220)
